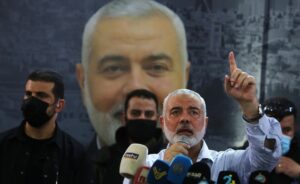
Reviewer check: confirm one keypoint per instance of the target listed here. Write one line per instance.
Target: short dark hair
(279, 107)
(141, 93)
(49, 76)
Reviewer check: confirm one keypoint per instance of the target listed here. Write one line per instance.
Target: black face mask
(141, 130)
(35, 111)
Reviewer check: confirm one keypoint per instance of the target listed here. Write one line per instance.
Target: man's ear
(161, 122)
(80, 76)
(60, 105)
(206, 121)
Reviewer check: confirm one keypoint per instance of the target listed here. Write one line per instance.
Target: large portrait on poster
(48, 34)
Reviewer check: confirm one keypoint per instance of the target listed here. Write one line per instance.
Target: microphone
(199, 172)
(228, 177)
(158, 172)
(178, 169)
(259, 177)
(133, 158)
(182, 139)
(141, 175)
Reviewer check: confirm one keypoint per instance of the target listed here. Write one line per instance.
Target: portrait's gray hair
(187, 92)
(134, 9)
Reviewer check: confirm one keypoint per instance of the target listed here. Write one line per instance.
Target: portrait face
(184, 120)
(128, 54)
(141, 108)
(288, 125)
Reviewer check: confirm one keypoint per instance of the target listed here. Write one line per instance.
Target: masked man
(141, 120)
(38, 151)
(288, 167)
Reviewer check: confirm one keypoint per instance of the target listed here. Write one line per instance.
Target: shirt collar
(204, 153)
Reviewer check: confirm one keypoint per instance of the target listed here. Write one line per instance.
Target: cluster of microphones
(180, 171)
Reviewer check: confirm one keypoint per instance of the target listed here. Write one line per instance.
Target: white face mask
(190, 140)
(285, 143)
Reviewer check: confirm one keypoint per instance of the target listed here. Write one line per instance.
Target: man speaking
(184, 122)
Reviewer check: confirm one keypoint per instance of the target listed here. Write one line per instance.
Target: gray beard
(105, 124)
(190, 140)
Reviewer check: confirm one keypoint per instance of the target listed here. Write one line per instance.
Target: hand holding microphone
(180, 147)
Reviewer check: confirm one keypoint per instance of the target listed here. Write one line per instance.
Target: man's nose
(184, 121)
(185, 118)
(142, 116)
(136, 80)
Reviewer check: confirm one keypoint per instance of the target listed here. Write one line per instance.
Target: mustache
(184, 128)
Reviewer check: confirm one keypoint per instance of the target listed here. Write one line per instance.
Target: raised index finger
(232, 63)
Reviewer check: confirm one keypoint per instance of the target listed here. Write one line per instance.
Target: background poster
(265, 36)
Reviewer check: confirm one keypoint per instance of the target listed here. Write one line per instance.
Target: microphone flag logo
(229, 179)
(260, 178)
(178, 168)
(158, 174)
(131, 155)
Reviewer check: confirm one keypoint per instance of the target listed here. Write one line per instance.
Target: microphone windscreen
(228, 177)
(182, 139)
(158, 172)
(259, 177)
(133, 158)
(178, 169)
(141, 175)
(199, 172)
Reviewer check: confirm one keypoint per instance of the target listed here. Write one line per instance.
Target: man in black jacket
(38, 151)
(141, 118)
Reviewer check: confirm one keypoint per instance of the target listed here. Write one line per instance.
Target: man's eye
(113, 70)
(286, 130)
(175, 112)
(42, 96)
(135, 113)
(159, 68)
(156, 68)
(149, 114)
(195, 113)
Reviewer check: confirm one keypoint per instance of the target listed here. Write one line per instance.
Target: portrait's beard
(190, 140)
(104, 123)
